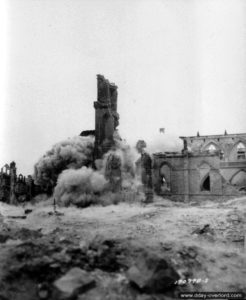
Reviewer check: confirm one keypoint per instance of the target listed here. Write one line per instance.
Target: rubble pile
(47, 266)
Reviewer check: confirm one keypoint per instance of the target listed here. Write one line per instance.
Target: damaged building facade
(16, 188)
(211, 166)
(208, 167)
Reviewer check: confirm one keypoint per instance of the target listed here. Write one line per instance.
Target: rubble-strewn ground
(124, 251)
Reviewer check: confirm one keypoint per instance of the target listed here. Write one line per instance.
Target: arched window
(211, 148)
(241, 151)
(205, 186)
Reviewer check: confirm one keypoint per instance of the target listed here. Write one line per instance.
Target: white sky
(179, 64)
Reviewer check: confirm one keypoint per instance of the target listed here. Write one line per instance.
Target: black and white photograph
(122, 149)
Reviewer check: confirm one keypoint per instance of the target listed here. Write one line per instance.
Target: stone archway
(206, 184)
(165, 177)
(239, 179)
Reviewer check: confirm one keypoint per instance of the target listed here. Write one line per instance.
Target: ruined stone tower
(106, 116)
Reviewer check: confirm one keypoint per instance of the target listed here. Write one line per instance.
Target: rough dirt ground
(213, 261)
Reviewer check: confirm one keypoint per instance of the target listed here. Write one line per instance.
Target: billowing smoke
(164, 142)
(80, 187)
(66, 170)
(72, 153)
(85, 186)
(127, 157)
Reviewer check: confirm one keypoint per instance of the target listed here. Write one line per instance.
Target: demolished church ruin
(209, 167)
(16, 188)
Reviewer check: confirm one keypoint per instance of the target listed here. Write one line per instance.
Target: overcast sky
(179, 64)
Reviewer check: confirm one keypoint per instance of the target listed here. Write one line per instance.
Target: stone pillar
(186, 178)
(12, 196)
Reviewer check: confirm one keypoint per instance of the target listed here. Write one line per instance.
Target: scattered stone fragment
(61, 257)
(145, 297)
(4, 237)
(103, 254)
(62, 239)
(205, 230)
(16, 217)
(92, 295)
(238, 238)
(192, 252)
(25, 233)
(233, 217)
(12, 242)
(43, 291)
(228, 254)
(188, 252)
(83, 245)
(74, 282)
(152, 273)
(2, 297)
(27, 211)
(166, 246)
(56, 213)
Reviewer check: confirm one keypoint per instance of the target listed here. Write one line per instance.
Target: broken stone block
(144, 297)
(4, 237)
(188, 252)
(16, 217)
(166, 246)
(103, 254)
(151, 273)
(206, 229)
(74, 282)
(43, 291)
(25, 234)
(192, 252)
(83, 246)
(12, 242)
(92, 295)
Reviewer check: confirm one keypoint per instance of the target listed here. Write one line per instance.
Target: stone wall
(226, 143)
(208, 167)
(187, 174)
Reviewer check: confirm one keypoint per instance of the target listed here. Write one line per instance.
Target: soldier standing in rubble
(146, 171)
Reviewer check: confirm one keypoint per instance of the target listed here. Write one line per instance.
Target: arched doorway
(205, 184)
(239, 179)
(165, 178)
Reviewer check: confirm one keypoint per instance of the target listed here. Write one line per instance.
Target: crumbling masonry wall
(208, 167)
(16, 188)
